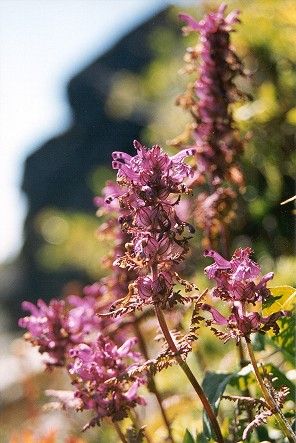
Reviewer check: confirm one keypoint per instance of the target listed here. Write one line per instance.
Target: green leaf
(188, 437)
(200, 438)
(213, 386)
(284, 298)
(270, 301)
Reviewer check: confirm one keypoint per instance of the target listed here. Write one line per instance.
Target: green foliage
(246, 378)
(214, 385)
(188, 438)
(284, 298)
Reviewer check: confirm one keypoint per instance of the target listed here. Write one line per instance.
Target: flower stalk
(189, 374)
(283, 423)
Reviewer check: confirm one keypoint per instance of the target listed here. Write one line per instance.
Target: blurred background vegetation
(129, 93)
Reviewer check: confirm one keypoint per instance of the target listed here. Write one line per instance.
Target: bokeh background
(81, 78)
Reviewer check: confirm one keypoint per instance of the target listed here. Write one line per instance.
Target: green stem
(283, 423)
(189, 374)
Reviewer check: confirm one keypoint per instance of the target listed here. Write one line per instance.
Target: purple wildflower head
(97, 372)
(152, 172)
(238, 283)
(153, 183)
(213, 134)
(47, 329)
(56, 327)
(216, 140)
(235, 278)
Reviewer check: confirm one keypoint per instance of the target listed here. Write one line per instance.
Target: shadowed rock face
(56, 173)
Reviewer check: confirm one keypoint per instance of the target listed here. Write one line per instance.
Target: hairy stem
(152, 384)
(283, 423)
(119, 432)
(189, 374)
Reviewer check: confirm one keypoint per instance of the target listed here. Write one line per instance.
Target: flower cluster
(236, 284)
(209, 100)
(153, 183)
(97, 370)
(56, 327)
(48, 329)
(216, 141)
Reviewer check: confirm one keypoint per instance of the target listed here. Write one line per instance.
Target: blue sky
(43, 43)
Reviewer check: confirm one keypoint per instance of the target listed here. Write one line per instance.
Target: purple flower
(216, 141)
(56, 327)
(153, 183)
(213, 134)
(47, 329)
(242, 325)
(234, 278)
(98, 370)
(237, 283)
(152, 172)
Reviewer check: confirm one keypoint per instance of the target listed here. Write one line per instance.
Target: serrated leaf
(188, 438)
(213, 386)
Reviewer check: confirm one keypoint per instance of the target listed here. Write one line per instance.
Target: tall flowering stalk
(153, 183)
(238, 283)
(118, 281)
(73, 335)
(214, 133)
(216, 139)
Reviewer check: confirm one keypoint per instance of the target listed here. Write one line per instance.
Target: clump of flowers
(57, 326)
(47, 329)
(153, 183)
(216, 139)
(96, 372)
(237, 283)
